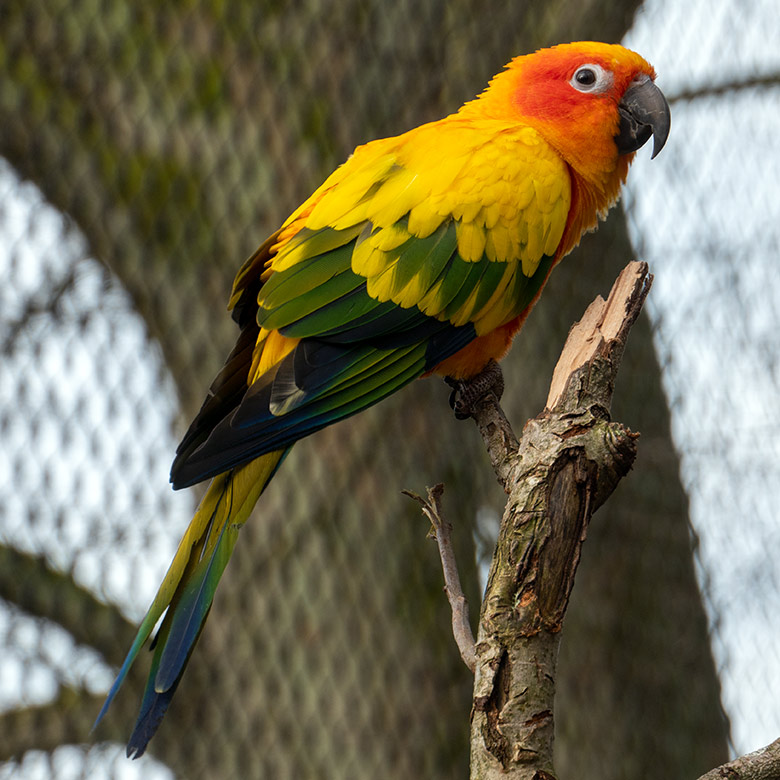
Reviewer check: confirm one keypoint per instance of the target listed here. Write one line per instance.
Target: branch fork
(568, 461)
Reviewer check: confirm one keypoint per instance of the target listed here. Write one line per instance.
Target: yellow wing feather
(506, 190)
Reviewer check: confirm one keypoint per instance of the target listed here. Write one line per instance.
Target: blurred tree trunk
(177, 137)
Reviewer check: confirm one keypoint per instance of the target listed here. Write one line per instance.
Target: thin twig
(441, 530)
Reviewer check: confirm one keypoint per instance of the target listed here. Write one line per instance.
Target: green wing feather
(394, 251)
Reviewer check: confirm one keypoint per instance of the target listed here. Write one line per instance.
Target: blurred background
(145, 150)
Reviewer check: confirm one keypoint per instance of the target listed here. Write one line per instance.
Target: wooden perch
(569, 460)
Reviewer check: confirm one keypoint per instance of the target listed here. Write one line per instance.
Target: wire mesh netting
(714, 243)
(147, 150)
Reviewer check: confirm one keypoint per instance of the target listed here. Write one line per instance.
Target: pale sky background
(705, 214)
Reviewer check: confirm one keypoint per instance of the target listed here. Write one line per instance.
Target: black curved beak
(643, 112)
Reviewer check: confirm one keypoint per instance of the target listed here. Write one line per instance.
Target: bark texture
(763, 764)
(570, 459)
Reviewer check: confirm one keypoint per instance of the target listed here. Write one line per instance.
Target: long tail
(188, 590)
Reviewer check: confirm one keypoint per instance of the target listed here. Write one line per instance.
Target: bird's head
(596, 103)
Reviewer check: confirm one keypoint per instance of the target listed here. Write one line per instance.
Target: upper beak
(643, 112)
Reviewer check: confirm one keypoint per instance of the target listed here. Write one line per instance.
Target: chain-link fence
(150, 149)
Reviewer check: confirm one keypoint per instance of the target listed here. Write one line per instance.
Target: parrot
(421, 254)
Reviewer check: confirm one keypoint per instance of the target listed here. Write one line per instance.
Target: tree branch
(65, 720)
(763, 764)
(768, 80)
(29, 583)
(441, 531)
(569, 460)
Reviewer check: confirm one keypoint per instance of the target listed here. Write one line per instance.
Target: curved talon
(467, 393)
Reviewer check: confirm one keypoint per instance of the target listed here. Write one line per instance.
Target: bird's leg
(467, 392)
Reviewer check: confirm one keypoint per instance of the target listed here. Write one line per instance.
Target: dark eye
(585, 77)
(591, 77)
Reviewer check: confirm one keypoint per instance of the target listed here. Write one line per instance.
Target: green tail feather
(188, 590)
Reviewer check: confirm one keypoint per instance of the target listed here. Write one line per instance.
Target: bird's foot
(467, 392)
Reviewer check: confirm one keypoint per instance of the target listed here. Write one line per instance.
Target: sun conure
(422, 253)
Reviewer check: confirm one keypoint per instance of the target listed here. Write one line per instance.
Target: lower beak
(643, 112)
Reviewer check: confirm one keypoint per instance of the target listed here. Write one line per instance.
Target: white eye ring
(591, 78)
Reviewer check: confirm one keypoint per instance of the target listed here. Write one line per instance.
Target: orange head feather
(571, 94)
(579, 120)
